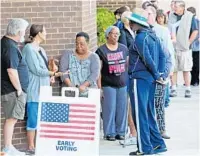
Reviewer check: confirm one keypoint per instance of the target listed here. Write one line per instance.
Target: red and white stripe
(81, 124)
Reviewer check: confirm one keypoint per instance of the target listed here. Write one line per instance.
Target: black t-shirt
(114, 70)
(11, 58)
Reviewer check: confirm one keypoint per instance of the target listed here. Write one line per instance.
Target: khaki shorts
(14, 107)
(183, 61)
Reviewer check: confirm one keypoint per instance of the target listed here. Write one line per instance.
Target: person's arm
(14, 78)
(95, 72)
(194, 29)
(170, 47)
(173, 30)
(99, 53)
(127, 57)
(12, 62)
(33, 63)
(122, 38)
(99, 79)
(168, 65)
(142, 48)
(64, 66)
(127, 62)
(162, 57)
(99, 82)
(193, 36)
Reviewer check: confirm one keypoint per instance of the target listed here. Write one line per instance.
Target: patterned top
(81, 70)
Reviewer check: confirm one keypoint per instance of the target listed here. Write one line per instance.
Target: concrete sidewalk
(182, 123)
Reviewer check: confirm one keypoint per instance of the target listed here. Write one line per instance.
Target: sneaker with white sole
(188, 94)
(30, 152)
(173, 93)
(128, 141)
(12, 151)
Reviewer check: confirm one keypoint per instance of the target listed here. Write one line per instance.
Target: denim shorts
(32, 114)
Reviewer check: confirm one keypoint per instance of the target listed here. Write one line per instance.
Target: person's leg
(167, 99)
(160, 110)
(109, 111)
(8, 131)
(195, 69)
(32, 113)
(186, 76)
(139, 94)
(8, 103)
(155, 135)
(186, 67)
(14, 109)
(121, 111)
(174, 80)
(173, 92)
(31, 138)
(130, 121)
(158, 104)
(131, 139)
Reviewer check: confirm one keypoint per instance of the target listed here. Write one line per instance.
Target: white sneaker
(128, 141)
(12, 151)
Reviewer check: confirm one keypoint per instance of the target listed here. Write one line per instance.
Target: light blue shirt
(38, 72)
(196, 44)
(164, 35)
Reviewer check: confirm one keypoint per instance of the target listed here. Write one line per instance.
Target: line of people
(155, 53)
(133, 69)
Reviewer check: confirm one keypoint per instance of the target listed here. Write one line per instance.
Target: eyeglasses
(118, 34)
(153, 1)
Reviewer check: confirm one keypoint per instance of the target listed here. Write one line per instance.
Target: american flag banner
(68, 126)
(67, 121)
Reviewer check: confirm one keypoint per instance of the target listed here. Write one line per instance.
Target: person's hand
(171, 73)
(19, 92)
(52, 79)
(58, 74)
(160, 80)
(82, 88)
(67, 72)
(101, 94)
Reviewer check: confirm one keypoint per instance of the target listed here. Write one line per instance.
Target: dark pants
(195, 68)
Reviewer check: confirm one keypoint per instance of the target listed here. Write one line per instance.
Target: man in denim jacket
(146, 61)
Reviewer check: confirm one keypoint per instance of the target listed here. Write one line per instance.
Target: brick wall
(114, 4)
(62, 19)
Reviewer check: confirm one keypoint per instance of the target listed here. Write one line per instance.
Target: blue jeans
(114, 110)
(167, 99)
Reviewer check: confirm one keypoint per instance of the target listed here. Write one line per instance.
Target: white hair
(180, 3)
(110, 28)
(15, 25)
